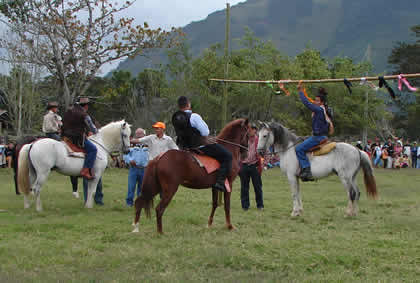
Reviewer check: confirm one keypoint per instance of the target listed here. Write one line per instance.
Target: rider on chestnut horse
(192, 133)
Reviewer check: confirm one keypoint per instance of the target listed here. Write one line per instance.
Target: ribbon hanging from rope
(403, 80)
(382, 83)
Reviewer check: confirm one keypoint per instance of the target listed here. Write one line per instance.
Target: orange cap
(159, 125)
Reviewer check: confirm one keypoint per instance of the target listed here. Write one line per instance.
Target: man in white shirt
(52, 122)
(157, 143)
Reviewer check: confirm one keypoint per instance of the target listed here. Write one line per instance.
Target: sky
(168, 13)
(171, 13)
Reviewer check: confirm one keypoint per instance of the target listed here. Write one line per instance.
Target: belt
(138, 167)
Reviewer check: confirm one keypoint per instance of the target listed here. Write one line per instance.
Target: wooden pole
(391, 77)
(225, 92)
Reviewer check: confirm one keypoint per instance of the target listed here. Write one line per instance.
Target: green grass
(68, 243)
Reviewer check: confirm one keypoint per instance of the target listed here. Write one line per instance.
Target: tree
(406, 59)
(74, 39)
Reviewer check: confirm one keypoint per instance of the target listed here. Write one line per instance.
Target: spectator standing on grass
(137, 160)
(390, 153)
(249, 170)
(377, 155)
(157, 143)
(413, 150)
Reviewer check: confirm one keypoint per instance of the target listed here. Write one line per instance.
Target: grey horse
(344, 161)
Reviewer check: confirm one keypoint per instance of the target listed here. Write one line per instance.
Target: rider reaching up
(321, 124)
(192, 132)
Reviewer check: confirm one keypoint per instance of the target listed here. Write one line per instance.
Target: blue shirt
(319, 123)
(140, 155)
(197, 122)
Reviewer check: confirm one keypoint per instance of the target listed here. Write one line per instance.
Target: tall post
(225, 92)
(366, 118)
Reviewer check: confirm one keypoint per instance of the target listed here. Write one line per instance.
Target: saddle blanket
(72, 150)
(325, 148)
(211, 165)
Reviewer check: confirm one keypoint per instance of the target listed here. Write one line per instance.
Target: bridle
(233, 143)
(299, 140)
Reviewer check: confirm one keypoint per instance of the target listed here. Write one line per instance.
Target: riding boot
(306, 175)
(86, 173)
(220, 184)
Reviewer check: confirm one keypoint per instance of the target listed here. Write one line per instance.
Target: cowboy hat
(84, 100)
(52, 104)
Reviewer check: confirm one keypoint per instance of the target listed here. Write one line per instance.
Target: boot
(306, 175)
(220, 184)
(85, 173)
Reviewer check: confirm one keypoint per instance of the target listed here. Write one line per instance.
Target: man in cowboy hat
(77, 125)
(157, 143)
(52, 122)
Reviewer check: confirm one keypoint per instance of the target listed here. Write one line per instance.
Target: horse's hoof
(136, 230)
(76, 194)
(295, 213)
(231, 227)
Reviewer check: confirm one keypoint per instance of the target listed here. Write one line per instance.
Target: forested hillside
(358, 29)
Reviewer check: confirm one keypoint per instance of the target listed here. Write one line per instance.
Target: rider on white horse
(320, 128)
(77, 124)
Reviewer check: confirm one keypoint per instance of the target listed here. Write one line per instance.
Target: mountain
(351, 28)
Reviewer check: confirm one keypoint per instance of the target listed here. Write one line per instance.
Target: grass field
(67, 242)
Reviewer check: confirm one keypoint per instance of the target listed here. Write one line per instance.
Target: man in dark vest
(77, 125)
(192, 132)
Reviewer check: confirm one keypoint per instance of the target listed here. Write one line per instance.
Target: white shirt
(158, 145)
(197, 122)
(52, 122)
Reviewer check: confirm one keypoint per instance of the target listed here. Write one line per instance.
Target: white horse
(344, 161)
(36, 160)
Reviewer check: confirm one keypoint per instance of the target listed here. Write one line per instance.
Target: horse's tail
(369, 179)
(150, 186)
(23, 170)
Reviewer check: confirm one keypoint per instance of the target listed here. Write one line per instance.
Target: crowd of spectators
(392, 153)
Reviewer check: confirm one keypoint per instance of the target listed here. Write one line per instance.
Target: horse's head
(235, 135)
(265, 138)
(125, 137)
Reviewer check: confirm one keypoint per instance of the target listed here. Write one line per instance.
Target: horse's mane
(282, 135)
(109, 129)
(227, 132)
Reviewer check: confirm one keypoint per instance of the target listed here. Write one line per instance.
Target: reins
(232, 143)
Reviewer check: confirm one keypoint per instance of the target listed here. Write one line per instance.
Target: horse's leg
(296, 198)
(91, 192)
(227, 210)
(138, 204)
(214, 196)
(167, 194)
(41, 177)
(357, 195)
(351, 193)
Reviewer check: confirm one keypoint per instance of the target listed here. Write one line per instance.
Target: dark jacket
(74, 126)
(187, 136)
(319, 123)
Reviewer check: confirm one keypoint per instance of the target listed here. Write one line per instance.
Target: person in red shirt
(249, 170)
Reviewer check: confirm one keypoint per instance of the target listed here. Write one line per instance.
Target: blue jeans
(302, 148)
(98, 194)
(135, 177)
(377, 160)
(246, 173)
(91, 151)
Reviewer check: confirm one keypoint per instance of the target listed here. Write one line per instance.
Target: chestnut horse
(177, 167)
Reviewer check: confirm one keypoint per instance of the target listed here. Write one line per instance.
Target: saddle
(323, 148)
(210, 164)
(72, 149)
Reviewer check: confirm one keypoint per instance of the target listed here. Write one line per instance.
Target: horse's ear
(245, 122)
(266, 125)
